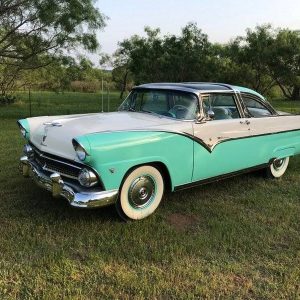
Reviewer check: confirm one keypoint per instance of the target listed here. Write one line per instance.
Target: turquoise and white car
(164, 137)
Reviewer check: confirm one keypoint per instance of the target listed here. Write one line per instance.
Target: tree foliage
(34, 32)
(252, 54)
(285, 62)
(67, 74)
(169, 58)
(263, 58)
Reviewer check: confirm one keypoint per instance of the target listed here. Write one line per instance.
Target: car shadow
(35, 201)
(41, 203)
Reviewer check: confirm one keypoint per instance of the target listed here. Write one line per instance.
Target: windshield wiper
(149, 112)
(152, 113)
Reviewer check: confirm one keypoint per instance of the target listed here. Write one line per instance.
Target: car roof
(199, 87)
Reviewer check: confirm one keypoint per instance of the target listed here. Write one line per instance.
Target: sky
(222, 20)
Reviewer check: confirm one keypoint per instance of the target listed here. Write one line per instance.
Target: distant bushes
(7, 100)
(90, 86)
(85, 86)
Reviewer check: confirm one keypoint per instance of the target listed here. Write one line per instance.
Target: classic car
(165, 136)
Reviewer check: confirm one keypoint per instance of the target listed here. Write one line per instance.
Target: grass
(238, 238)
(49, 103)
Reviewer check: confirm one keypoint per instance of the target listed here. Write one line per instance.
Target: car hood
(54, 134)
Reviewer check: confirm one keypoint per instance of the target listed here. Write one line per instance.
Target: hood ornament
(47, 126)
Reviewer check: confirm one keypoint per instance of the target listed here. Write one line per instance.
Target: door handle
(247, 122)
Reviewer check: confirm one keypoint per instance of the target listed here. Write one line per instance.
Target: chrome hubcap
(278, 163)
(142, 191)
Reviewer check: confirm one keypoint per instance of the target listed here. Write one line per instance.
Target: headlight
(87, 178)
(23, 132)
(80, 151)
(28, 151)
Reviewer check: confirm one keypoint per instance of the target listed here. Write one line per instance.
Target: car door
(273, 135)
(222, 144)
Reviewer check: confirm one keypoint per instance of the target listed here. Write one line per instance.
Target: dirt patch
(182, 222)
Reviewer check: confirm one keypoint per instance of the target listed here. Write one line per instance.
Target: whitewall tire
(278, 168)
(141, 193)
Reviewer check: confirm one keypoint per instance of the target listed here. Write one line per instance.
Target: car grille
(51, 163)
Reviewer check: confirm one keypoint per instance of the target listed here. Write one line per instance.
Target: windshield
(173, 104)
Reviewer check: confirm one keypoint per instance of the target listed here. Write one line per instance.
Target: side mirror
(211, 114)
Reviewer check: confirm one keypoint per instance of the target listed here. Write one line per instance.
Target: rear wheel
(278, 167)
(140, 194)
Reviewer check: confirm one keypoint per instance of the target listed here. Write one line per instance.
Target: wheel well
(165, 174)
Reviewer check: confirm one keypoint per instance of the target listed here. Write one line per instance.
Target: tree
(285, 63)
(30, 29)
(121, 62)
(265, 57)
(251, 56)
(170, 58)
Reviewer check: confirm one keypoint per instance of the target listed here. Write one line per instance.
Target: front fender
(112, 154)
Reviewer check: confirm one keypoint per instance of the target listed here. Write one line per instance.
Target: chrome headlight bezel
(87, 178)
(80, 151)
(23, 129)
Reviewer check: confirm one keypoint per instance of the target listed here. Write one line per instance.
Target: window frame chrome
(229, 92)
(267, 105)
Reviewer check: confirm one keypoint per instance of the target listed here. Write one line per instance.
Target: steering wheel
(176, 108)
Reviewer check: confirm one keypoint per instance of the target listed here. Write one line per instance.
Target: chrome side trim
(221, 177)
(59, 188)
(199, 141)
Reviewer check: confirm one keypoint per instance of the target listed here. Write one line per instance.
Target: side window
(255, 108)
(223, 106)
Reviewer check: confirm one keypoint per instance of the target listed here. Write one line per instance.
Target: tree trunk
(124, 85)
(296, 93)
(285, 91)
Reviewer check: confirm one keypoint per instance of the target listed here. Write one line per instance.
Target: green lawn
(237, 238)
(49, 103)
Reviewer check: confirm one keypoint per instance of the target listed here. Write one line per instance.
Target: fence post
(108, 98)
(102, 96)
(29, 98)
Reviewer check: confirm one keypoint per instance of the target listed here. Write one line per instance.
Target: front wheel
(140, 194)
(278, 168)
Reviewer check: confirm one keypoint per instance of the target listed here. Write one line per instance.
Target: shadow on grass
(37, 204)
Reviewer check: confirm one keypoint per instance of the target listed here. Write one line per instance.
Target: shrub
(85, 86)
(6, 99)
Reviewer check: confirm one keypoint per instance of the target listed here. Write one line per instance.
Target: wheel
(278, 168)
(140, 194)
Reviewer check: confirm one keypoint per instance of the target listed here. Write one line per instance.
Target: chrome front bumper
(59, 188)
